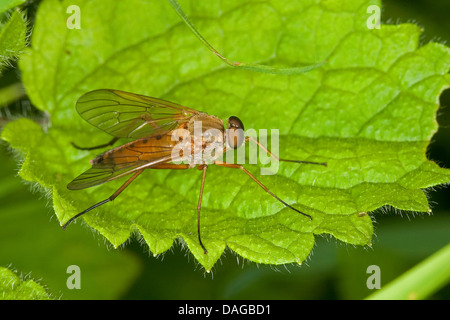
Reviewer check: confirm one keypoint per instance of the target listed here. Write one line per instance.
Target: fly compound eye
(235, 132)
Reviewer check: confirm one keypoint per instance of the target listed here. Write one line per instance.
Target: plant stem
(419, 282)
(237, 64)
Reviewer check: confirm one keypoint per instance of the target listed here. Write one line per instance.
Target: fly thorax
(207, 138)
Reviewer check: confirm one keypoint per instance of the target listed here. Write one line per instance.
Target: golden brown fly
(158, 128)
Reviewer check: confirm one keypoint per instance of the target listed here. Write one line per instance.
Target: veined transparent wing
(129, 115)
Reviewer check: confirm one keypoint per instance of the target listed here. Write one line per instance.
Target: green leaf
(8, 4)
(11, 93)
(12, 287)
(32, 241)
(12, 38)
(369, 112)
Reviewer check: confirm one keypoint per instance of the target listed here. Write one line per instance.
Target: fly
(158, 128)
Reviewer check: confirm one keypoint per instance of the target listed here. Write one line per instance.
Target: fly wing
(126, 159)
(128, 115)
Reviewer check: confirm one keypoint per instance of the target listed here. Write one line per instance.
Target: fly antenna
(278, 159)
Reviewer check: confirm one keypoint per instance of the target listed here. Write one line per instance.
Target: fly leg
(238, 166)
(199, 206)
(96, 147)
(186, 166)
(111, 198)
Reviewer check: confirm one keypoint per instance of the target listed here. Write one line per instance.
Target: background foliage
(334, 271)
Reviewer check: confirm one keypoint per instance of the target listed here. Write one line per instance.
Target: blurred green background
(32, 242)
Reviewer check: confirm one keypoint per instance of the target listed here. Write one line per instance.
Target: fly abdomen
(97, 160)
